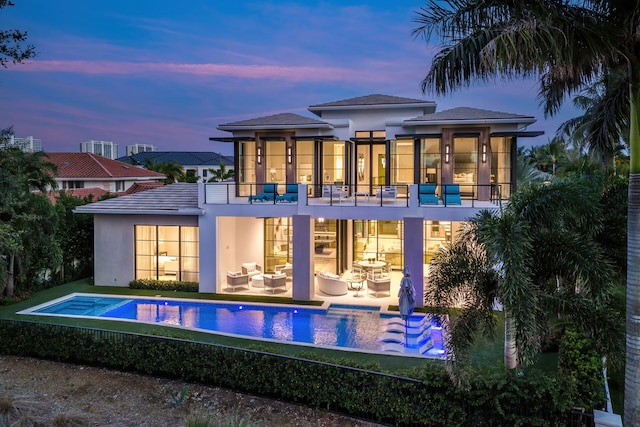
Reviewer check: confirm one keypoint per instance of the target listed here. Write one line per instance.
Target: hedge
(164, 285)
(423, 396)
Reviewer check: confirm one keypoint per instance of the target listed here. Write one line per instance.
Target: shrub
(582, 366)
(164, 285)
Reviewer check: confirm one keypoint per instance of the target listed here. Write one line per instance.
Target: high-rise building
(139, 148)
(102, 148)
(28, 144)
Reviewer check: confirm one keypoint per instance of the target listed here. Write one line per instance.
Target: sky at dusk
(168, 73)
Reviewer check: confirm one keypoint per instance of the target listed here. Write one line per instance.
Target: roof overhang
(231, 138)
(521, 134)
(520, 121)
(426, 104)
(172, 212)
(231, 128)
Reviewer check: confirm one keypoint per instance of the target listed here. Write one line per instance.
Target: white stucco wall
(114, 262)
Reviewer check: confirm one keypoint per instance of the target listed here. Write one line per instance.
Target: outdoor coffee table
(356, 284)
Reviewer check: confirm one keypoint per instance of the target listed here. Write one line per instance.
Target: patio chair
(379, 285)
(427, 194)
(237, 280)
(251, 269)
(286, 268)
(335, 191)
(273, 281)
(268, 194)
(290, 195)
(451, 194)
(387, 192)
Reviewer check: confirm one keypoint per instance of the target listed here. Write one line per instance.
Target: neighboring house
(196, 162)
(368, 178)
(86, 170)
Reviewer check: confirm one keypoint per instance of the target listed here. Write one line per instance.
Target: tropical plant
(172, 170)
(221, 174)
(538, 257)
(12, 47)
(568, 45)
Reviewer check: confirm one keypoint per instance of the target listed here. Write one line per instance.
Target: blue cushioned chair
(451, 194)
(269, 193)
(290, 195)
(427, 194)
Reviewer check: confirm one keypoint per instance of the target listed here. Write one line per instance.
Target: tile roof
(276, 120)
(80, 193)
(137, 187)
(468, 114)
(375, 99)
(184, 158)
(175, 199)
(88, 165)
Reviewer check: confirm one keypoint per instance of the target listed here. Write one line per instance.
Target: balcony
(342, 196)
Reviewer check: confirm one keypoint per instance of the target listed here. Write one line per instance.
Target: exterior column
(208, 250)
(414, 255)
(303, 278)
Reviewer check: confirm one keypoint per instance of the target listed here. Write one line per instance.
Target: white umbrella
(406, 299)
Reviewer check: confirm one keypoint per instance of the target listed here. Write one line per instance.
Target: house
(87, 170)
(372, 183)
(195, 162)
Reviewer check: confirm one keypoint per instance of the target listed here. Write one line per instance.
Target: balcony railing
(398, 195)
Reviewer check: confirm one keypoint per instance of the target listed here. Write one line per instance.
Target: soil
(43, 393)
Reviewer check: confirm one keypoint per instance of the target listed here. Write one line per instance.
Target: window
(333, 163)
(501, 166)
(380, 240)
(119, 185)
(166, 252)
(246, 173)
(430, 168)
(402, 164)
(278, 242)
(70, 185)
(275, 169)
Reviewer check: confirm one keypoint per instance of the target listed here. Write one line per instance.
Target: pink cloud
(287, 73)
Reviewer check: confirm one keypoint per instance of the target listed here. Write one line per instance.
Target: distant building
(195, 162)
(102, 148)
(140, 148)
(28, 144)
(87, 170)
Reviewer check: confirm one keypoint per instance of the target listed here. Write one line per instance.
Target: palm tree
(220, 174)
(567, 45)
(172, 170)
(539, 256)
(605, 123)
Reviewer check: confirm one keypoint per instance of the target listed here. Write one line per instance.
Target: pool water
(342, 326)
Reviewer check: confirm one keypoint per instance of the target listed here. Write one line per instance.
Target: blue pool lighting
(356, 328)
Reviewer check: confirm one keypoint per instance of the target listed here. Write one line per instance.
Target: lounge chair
(393, 347)
(268, 194)
(237, 280)
(427, 194)
(451, 194)
(426, 346)
(286, 269)
(392, 337)
(274, 281)
(290, 195)
(331, 284)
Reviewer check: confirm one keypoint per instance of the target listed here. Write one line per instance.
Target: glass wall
(437, 234)
(402, 164)
(333, 162)
(430, 167)
(275, 163)
(246, 173)
(166, 252)
(379, 240)
(500, 167)
(325, 245)
(304, 164)
(465, 164)
(278, 243)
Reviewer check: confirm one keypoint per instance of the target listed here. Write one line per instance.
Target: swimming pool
(357, 328)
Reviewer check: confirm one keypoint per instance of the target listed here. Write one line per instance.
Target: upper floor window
(371, 134)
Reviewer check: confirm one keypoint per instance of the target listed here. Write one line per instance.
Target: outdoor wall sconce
(259, 155)
(289, 155)
(447, 153)
(484, 153)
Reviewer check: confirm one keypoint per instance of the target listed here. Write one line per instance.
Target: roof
(375, 100)
(88, 165)
(80, 193)
(137, 187)
(175, 199)
(184, 158)
(276, 121)
(468, 114)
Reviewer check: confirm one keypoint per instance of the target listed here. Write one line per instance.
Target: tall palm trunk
(10, 283)
(632, 368)
(510, 349)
